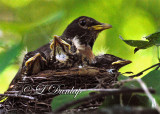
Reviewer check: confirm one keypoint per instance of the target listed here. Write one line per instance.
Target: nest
(34, 93)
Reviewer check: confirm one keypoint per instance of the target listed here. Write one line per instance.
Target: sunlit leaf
(7, 56)
(60, 100)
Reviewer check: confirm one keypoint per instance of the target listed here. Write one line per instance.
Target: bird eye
(82, 22)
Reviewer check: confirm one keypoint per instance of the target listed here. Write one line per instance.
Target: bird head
(85, 30)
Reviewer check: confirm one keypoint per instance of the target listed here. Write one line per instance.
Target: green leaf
(152, 79)
(7, 56)
(60, 100)
(141, 44)
(154, 38)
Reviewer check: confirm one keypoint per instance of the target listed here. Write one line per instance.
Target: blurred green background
(29, 24)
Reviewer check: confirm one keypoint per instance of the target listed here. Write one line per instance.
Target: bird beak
(32, 59)
(121, 62)
(101, 27)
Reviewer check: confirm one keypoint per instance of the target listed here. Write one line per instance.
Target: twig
(140, 73)
(18, 96)
(144, 87)
(36, 78)
(99, 90)
(11, 92)
(93, 97)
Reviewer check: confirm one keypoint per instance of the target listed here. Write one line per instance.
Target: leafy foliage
(153, 39)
